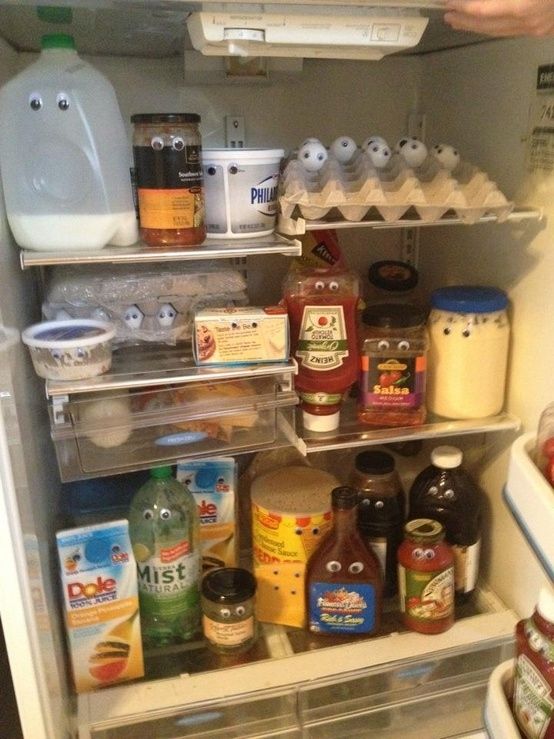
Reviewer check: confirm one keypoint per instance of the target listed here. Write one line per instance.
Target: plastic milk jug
(64, 155)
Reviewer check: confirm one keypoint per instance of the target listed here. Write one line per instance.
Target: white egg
(312, 156)
(379, 154)
(343, 149)
(412, 150)
(310, 140)
(133, 316)
(166, 315)
(366, 143)
(447, 156)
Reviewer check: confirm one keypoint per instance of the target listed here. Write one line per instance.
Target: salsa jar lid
(393, 275)
(394, 315)
(228, 585)
(165, 118)
(424, 530)
(469, 299)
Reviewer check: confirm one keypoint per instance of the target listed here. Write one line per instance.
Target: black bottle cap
(393, 276)
(344, 498)
(374, 463)
(228, 585)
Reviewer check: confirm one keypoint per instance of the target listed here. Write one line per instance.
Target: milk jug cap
(446, 457)
(57, 41)
(545, 605)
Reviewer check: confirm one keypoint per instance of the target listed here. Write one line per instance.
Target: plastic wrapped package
(145, 303)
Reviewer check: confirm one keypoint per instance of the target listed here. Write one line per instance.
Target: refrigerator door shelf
(531, 500)
(499, 721)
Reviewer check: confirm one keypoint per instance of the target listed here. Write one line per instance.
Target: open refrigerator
(478, 94)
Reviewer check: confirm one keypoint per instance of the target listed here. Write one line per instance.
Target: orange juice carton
(99, 579)
(239, 335)
(213, 485)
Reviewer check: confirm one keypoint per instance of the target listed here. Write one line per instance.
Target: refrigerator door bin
(106, 432)
(499, 721)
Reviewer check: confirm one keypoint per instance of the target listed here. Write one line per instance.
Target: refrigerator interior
(476, 97)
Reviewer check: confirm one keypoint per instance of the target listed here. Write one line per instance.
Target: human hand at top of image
(533, 18)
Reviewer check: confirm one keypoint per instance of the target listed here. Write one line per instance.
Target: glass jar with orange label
(167, 151)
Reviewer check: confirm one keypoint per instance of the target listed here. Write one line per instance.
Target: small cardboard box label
(240, 335)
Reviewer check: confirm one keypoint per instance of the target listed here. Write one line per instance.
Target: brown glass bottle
(344, 586)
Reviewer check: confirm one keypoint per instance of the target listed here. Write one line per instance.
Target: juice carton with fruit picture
(99, 580)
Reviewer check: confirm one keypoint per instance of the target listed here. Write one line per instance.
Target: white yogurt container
(70, 350)
(240, 191)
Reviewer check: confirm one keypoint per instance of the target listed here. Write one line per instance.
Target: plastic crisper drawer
(115, 431)
(530, 498)
(499, 721)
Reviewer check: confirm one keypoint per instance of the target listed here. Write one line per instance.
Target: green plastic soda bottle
(164, 530)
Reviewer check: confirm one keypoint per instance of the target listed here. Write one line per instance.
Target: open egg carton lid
(357, 187)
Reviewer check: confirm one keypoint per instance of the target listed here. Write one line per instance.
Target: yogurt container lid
(68, 334)
(469, 299)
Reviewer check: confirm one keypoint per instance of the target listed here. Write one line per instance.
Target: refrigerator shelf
(498, 718)
(140, 252)
(363, 687)
(530, 499)
(352, 434)
(299, 226)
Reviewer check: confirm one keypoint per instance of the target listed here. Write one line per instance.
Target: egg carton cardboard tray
(356, 188)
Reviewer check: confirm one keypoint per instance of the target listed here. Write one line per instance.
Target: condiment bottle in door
(321, 304)
(343, 578)
(533, 696)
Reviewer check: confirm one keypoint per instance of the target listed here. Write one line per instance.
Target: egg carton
(358, 190)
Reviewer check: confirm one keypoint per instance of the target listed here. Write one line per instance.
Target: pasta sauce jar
(167, 151)
(426, 577)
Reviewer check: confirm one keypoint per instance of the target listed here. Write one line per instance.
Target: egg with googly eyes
(310, 140)
(312, 156)
(343, 149)
(412, 150)
(366, 143)
(446, 155)
(379, 155)
(166, 315)
(133, 317)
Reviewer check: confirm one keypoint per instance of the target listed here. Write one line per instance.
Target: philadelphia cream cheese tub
(240, 190)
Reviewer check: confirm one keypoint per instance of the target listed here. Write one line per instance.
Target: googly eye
(333, 286)
(157, 143)
(165, 514)
(240, 610)
(80, 353)
(403, 346)
(62, 101)
(333, 566)
(379, 504)
(298, 531)
(355, 568)
(319, 285)
(35, 102)
(429, 554)
(178, 143)
(449, 494)
(57, 354)
(466, 332)
(418, 553)
(148, 514)
(383, 345)
(116, 548)
(447, 331)
(315, 530)
(233, 169)
(211, 171)
(225, 613)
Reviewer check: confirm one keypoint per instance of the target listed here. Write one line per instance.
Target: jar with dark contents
(167, 151)
(228, 619)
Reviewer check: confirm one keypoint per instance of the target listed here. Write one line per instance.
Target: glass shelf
(140, 252)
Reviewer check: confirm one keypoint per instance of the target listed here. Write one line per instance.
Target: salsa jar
(167, 152)
(393, 365)
(426, 577)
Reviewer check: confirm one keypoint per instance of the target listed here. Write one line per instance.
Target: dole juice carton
(99, 579)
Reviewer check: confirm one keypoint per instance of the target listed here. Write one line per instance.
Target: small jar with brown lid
(167, 151)
(228, 619)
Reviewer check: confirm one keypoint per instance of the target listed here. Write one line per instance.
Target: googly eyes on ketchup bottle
(426, 577)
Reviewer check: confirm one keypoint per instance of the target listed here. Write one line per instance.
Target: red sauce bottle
(426, 577)
(533, 696)
(322, 308)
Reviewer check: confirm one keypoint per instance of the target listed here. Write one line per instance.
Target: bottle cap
(57, 41)
(424, 530)
(469, 299)
(344, 498)
(320, 423)
(228, 585)
(446, 457)
(374, 463)
(394, 315)
(545, 605)
(393, 276)
(161, 473)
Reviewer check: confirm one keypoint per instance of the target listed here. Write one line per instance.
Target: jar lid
(344, 498)
(228, 585)
(424, 530)
(57, 41)
(446, 457)
(394, 315)
(545, 605)
(469, 299)
(374, 463)
(393, 275)
(165, 118)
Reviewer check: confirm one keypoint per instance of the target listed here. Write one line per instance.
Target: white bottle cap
(545, 605)
(320, 423)
(446, 457)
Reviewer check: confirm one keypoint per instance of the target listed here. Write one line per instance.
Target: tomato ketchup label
(341, 608)
(391, 382)
(322, 343)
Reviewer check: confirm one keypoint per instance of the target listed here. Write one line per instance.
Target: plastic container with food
(71, 349)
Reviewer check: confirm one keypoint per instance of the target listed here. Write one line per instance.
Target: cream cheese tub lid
(295, 491)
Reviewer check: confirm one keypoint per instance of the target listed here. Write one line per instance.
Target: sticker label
(344, 608)
(533, 704)
(426, 596)
(322, 344)
(392, 383)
